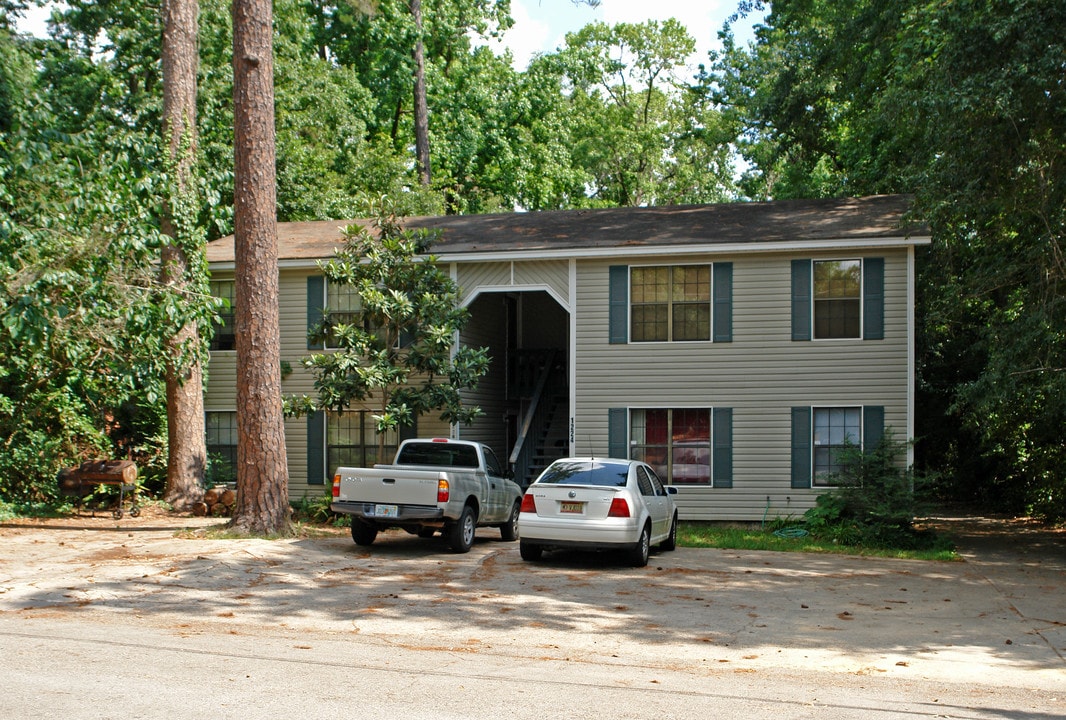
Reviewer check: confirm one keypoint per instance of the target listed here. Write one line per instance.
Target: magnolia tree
(394, 345)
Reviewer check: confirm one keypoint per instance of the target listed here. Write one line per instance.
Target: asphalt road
(121, 619)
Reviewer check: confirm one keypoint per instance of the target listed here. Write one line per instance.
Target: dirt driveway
(996, 619)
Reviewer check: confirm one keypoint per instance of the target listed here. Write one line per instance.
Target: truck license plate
(388, 511)
(571, 507)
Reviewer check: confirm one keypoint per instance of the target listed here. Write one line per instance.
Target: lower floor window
(221, 442)
(352, 440)
(675, 442)
(835, 429)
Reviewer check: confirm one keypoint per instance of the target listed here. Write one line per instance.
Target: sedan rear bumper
(603, 534)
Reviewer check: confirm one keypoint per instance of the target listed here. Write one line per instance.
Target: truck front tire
(461, 534)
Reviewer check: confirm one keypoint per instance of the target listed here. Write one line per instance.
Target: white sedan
(598, 504)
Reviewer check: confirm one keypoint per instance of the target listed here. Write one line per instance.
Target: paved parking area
(999, 614)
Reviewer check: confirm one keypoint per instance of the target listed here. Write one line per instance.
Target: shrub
(873, 502)
(316, 510)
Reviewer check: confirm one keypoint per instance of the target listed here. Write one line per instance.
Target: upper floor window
(670, 303)
(837, 298)
(224, 337)
(342, 306)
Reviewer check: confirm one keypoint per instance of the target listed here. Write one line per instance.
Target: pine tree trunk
(262, 465)
(421, 105)
(187, 452)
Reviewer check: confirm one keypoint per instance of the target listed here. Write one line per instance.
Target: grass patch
(747, 537)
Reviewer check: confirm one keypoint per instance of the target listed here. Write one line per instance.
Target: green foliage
(395, 348)
(873, 503)
(638, 132)
(81, 318)
(316, 510)
(750, 537)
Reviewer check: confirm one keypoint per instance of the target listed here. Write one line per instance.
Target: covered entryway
(525, 396)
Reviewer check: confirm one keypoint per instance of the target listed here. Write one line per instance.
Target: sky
(541, 25)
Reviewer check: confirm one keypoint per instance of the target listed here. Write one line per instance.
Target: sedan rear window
(585, 473)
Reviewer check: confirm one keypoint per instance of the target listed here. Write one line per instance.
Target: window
(352, 440)
(834, 430)
(676, 443)
(342, 307)
(221, 441)
(670, 303)
(837, 299)
(223, 337)
(819, 434)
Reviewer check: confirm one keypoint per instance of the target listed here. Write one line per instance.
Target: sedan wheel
(638, 555)
(671, 540)
(529, 551)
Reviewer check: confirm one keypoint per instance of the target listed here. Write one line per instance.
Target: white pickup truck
(438, 484)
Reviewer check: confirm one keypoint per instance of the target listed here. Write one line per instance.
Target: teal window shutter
(409, 432)
(801, 300)
(316, 299)
(723, 302)
(619, 304)
(316, 448)
(873, 426)
(617, 432)
(801, 447)
(723, 448)
(873, 299)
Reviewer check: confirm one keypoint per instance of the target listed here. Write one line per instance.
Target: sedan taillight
(619, 508)
(527, 504)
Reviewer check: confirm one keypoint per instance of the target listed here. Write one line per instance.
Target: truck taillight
(443, 491)
(619, 508)
(336, 485)
(527, 503)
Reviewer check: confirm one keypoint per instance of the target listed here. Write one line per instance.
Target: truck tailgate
(392, 486)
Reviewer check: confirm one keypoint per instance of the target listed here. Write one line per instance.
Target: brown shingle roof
(881, 216)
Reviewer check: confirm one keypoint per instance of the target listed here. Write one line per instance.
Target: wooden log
(211, 496)
(199, 509)
(228, 497)
(108, 471)
(218, 510)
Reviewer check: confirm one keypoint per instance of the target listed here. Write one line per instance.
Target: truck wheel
(529, 551)
(509, 530)
(638, 554)
(362, 533)
(461, 534)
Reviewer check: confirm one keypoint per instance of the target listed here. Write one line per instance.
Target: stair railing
(522, 453)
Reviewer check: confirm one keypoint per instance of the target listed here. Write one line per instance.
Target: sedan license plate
(388, 511)
(572, 507)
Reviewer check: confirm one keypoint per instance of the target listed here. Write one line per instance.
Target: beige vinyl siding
(761, 374)
(551, 274)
